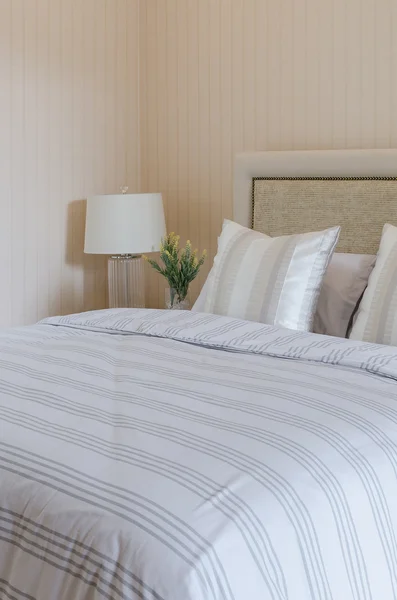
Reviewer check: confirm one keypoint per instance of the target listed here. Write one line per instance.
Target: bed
(166, 455)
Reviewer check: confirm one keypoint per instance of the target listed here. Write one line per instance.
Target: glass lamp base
(126, 282)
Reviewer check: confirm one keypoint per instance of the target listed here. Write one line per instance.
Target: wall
(224, 76)
(69, 127)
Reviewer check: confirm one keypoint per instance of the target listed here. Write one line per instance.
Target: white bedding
(181, 456)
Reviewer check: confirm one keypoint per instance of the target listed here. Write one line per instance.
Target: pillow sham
(199, 305)
(344, 283)
(377, 314)
(271, 280)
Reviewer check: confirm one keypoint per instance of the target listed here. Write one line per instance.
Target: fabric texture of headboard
(281, 193)
(361, 206)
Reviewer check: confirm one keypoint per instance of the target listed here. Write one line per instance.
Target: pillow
(377, 314)
(343, 286)
(199, 305)
(344, 283)
(270, 280)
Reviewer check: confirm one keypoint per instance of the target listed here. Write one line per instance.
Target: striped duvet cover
(180, 456)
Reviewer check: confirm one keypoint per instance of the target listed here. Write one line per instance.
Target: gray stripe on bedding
(71, 567)
(297, 513)
(312, 551)
(13, 593)
(115, 568)
(102, 565)
(130, 514)
(251, 528)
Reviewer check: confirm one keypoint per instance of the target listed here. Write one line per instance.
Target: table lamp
(125, 226)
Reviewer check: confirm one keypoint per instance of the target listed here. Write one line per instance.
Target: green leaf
(180, 266)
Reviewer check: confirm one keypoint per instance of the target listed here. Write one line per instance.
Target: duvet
(172, 455)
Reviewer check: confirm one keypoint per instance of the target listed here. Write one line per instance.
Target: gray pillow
(343, 286)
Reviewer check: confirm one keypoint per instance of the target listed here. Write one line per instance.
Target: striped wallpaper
(69, 127)
(223, 76)
(159, 95)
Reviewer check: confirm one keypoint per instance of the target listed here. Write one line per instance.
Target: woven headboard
(296, 192)
(284, 206)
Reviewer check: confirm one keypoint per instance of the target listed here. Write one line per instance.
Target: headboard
(280, 193)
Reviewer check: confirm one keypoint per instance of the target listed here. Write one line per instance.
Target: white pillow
(199, 305)
(270, 280)
(377, 314)
(344, 283)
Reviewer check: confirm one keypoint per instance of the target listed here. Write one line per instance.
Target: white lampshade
(124, 224)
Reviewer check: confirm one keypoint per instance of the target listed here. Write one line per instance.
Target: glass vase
(172, 301)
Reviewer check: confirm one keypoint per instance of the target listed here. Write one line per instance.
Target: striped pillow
(377, 314)
(270, 280)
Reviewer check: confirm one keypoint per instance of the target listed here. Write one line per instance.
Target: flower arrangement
(180, 266)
